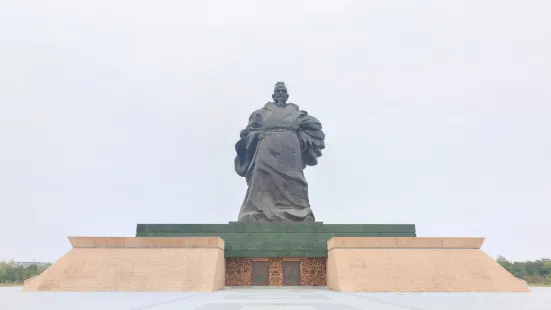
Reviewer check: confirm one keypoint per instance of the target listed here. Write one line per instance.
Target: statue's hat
(280, 85)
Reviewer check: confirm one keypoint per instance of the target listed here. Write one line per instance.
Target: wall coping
(147, 242)
(404, 243)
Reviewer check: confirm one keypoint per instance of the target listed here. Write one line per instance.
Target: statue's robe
(275, 147)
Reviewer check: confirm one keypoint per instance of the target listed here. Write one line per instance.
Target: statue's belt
(277, 129)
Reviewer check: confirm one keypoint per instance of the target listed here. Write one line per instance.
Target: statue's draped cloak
(275, 147)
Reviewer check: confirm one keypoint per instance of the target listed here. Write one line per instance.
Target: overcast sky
(113, 113)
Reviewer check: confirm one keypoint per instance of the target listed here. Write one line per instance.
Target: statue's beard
(280, 101)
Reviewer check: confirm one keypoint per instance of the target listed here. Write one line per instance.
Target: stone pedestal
(189, 264)
(348, 258)
(275, 240)
(275, 254)
(415, 265)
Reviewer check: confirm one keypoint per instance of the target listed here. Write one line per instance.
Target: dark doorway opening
(291, 273)
(261, 274)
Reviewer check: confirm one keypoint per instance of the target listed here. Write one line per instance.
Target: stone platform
(416, 265)
(128, 264)
(348, 258)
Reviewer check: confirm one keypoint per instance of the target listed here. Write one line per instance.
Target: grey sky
(114, 113)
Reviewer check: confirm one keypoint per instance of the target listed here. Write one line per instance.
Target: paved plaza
(275, 299)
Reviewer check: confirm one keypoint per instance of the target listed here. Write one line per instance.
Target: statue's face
(280, 94)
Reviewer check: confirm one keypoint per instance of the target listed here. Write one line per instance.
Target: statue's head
(280, 95)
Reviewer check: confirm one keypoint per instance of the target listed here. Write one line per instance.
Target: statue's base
(349, 258)
(298, 223)
(275, 240)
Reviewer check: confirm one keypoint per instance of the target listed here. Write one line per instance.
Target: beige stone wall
(407, 265)
(169, 265)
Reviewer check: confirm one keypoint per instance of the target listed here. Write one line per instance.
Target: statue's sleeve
(246, 146)
(312, 138)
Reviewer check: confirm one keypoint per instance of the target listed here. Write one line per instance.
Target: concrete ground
(275, 298)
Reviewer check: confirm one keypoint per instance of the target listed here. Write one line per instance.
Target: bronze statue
(275, 147)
